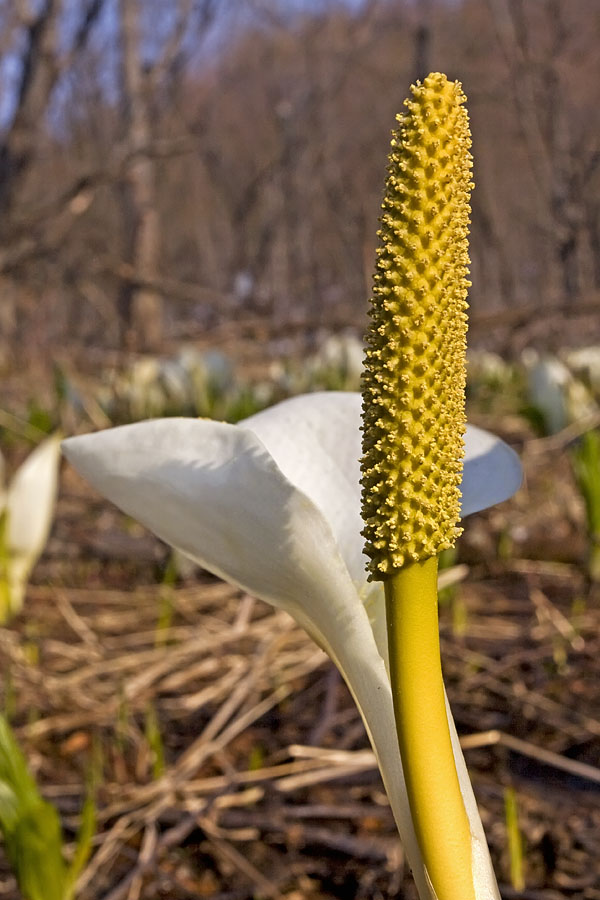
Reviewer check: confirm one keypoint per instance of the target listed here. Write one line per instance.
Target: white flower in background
(487, 367)
(211, 368)
(272, 505)
(337, 364)
(155, 386)
(555, 392)
(344, 352)
(137, 391)
(26, 513)
(585, 364)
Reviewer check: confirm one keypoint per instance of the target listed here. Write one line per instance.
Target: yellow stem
(439, 816)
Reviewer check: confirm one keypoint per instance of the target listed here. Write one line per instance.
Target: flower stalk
(436, 802)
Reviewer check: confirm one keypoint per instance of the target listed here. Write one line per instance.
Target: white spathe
(273, 505)
(28, 505)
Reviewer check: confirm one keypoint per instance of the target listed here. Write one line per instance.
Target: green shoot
(165, 603)
(5, 591)
(155, 742)
(585, 459)
(450, 596)
(83, 846)
(515, 840)
(122, 723)
(30, 826)
(10, 695)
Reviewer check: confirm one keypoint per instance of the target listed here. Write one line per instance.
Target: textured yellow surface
(413, 392)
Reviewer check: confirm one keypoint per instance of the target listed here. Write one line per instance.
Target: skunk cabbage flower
(272, 505)
(26, 514)
(584, 363)
(555, 392)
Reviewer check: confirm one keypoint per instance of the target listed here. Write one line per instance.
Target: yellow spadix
(413, 390)
(413, 426)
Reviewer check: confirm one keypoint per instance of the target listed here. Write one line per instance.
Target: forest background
(167, 166)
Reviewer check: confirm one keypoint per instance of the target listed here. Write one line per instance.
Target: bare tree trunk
(141, 306)
(31, 39)
(39, 70)
(542, 111)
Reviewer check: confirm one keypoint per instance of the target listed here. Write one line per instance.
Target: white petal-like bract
(315, 440)
(29, 504)
(273, 505)
(31, 498)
